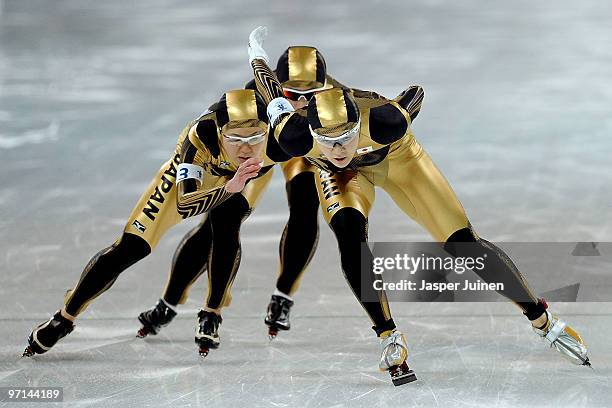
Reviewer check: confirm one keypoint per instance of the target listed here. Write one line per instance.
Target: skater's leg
(152, 216)
(350, 227)
(417, 186)
(154, 213)
(188, 263)
(298, 242)
(420, 190)
(498, 268)
(301, 233)
(224, 257)
(103, 269)
(346, 199)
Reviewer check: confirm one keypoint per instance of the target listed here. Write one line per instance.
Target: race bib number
(189, 171)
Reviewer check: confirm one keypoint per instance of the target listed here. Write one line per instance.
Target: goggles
(344, 139)
(296, 94)
(251, 140)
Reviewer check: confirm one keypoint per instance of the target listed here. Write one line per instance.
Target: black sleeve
(293, 135)
(274, 151)
(251, 85)
(411, 100)
(387, 123)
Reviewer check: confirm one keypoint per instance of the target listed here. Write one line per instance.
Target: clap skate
(564, 339)
(154, 319)
(45, 335)
(277, 317)
(207, 332)
(393, 358)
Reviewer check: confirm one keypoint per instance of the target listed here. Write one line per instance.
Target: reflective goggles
(250, 140)
(342, 140)
(296, 94)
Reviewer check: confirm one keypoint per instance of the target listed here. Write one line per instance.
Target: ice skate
(207, 331)
(154, 319)
(393, 358)
(277, 317)
(45, 335)
(564, 339)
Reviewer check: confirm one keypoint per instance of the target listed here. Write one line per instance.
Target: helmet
(241, 108)
(332, 111)
(301, 68)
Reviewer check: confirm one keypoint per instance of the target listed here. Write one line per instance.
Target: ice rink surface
(93, 95)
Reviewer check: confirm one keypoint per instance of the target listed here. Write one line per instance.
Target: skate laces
(394, 350)
(61, 322)
(395, 339)
(162, 311)
(209, 322)
(552, 329)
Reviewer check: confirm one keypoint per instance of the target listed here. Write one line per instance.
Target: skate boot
(277, 317)
(207, 331)
(154, 319)
(393, 358)
(45, 335)
(564, 339)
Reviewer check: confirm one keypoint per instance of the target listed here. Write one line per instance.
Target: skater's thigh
(295, 166)
(156, 211)
(417, 186)
(347, 189)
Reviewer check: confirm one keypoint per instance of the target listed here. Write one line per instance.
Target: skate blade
(402, 375)
(272, 333)
(28, 352)
(143, 332)
(205, 345)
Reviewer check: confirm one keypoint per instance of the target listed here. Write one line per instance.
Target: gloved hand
(256, 39)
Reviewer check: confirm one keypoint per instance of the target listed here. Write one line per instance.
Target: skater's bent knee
(347, 219)
(130, 248)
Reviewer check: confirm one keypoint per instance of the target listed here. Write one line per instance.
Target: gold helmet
(333, 113)
(241, 108)
(301, 68)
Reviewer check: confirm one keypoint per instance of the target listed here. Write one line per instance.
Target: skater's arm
(411, 100)
(289, 127)
(389, 122)
(192, 197)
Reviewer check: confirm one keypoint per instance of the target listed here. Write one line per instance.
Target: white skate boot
(393, 358)
(564, 339)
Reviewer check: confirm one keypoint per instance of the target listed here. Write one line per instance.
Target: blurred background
(94, 94)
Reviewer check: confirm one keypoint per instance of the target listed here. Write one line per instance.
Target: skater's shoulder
(204, 135)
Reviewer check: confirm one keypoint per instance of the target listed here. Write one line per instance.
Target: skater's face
(340, 155)
(339, 147)
(242, 144)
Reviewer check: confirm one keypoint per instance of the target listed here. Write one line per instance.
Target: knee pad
(124, 253)
(460, 236)
(348, 223)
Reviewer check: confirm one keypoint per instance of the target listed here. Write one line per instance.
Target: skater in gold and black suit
(360, 140)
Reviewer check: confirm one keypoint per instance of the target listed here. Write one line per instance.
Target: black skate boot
(154, 319)
(45, 335)
(207, 331)
(277, 317)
